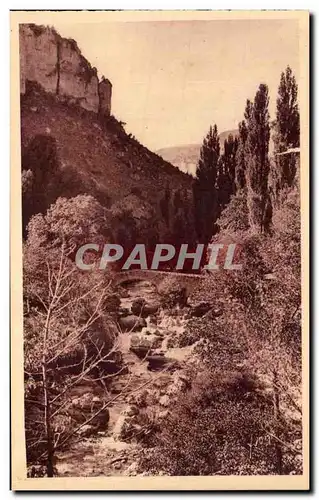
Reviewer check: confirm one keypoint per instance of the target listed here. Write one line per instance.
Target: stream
(153, 375)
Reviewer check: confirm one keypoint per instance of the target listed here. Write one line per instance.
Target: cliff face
(57, 64)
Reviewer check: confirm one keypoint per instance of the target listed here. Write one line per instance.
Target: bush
(216, 428)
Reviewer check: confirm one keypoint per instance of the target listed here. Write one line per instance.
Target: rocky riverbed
(154, 369)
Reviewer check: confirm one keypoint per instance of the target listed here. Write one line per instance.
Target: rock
(153, 320)
(164, 401)
(100, 337)
(159, 334)
(216, 312)
(86, 431)
(140, 351)
(112, 303)
(163, 414)
(137, 306)
(198, 310)
(123, 312)
(132, 470)
(117, 465)
(150, 308)
(120, 426)
(126, 428)
(140, 340)
(143, 308)
(130, 411)
(157, 343)
(85, 406)
(157, 361)
(140, 346)
(55, 62)
(132, 323)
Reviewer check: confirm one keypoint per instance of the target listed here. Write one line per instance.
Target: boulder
(84, 407)
(140, 346)
(112, 303)
(132, 323)
(157, 342)
(153, 320)
(137, 306)
(150, 309)
(140, 340)
(120, 427)
(86, 431)
(130, 411)
(200, 309)
(140, 351)
(163, 414)
(216, 312)
(123, 312)
(142, 308)
(159, 334)
(100, 335)
(164, 401)
(157, 361)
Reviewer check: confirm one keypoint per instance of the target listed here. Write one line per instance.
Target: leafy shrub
(216, 428)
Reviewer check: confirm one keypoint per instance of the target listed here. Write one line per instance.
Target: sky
(172, 80)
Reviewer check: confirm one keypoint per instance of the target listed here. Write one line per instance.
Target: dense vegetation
(242, 414)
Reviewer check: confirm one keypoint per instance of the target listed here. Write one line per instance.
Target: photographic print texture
(159, 219)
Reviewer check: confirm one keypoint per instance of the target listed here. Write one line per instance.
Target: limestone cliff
(57, 64)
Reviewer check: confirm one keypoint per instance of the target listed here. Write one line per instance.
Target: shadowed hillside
(94, 156)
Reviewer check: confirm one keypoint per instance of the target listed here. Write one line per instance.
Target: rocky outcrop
(57, 64)
(105, 96)
(132, 323)
(38, 57)
(144, 309)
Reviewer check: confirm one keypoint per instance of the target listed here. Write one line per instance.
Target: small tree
(64, 308)
(60, 350)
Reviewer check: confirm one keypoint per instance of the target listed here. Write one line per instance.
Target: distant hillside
(186, 157)
(183, 157)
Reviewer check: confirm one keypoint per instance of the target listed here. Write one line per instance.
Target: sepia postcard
(160, 250)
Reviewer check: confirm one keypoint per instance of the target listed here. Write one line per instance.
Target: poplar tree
(286, 129)
(226, 172)
(257, 168)
(205, 195)
(240, 175)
